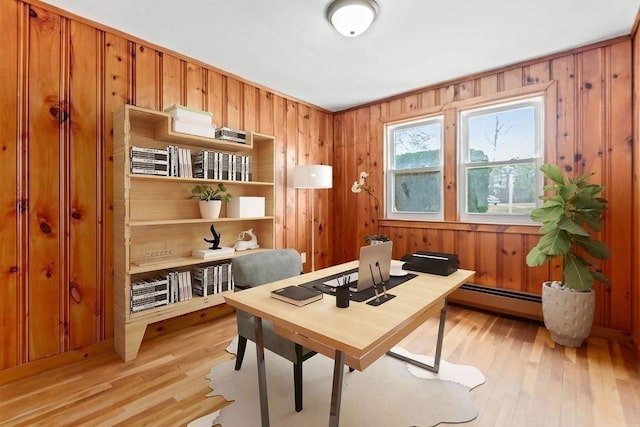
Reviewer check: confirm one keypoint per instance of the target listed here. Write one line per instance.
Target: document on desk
(297, 295)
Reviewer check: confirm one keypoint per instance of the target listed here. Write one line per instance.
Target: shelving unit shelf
(157, 225)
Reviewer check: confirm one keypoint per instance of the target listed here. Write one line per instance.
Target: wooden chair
(255, 270)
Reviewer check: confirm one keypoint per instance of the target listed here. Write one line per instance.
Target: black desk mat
(356, 296)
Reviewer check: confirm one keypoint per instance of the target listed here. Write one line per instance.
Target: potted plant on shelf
(211, 199)
(572, 212)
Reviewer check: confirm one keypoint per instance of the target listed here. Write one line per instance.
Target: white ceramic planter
(567, 315)
(210, 209)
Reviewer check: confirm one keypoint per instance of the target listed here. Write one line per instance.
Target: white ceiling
(289, 46)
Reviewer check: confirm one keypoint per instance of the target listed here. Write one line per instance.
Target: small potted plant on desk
(374, 239)
(210, 199)
(572, 211)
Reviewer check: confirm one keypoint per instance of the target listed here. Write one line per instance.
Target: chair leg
(297, 378)
(242, 345)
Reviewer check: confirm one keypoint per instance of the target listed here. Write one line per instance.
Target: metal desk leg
(262, 373)
(336, 390)
(436, 361)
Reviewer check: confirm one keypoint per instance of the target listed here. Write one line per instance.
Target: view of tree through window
(500, 157)
(415, 167)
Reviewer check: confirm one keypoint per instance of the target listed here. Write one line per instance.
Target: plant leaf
(535, 258)
(576, 274)
(594, 248)
(568, 225)
(553, 172)
(555, 243)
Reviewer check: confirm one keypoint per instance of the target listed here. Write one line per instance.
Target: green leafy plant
(572, 211)
(206, 192)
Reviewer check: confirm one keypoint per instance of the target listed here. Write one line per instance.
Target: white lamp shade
(352, 17)
(312, 176)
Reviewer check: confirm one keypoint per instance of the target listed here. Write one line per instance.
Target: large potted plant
(211, 199)
(571, 214)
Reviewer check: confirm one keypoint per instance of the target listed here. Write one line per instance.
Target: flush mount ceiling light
(352, 17)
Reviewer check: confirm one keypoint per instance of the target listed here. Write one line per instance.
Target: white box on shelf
(191, 129)
(189, 115)
(221, 253)
(245, 207)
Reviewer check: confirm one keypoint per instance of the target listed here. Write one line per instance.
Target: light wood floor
(530, 381)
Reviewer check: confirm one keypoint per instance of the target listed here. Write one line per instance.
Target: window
(414, 169)
(500, 152)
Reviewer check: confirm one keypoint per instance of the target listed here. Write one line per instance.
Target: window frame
(390, 173)
(536, 101)
(449, 109)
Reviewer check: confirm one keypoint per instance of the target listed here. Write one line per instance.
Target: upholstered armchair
(257, 269)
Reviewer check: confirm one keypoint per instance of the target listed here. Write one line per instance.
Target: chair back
(265, 267)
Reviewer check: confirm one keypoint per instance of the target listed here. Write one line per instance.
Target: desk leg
(336, 391)
(262, 372)
(436, 361)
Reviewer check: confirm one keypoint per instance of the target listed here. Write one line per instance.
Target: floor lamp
(312, 177)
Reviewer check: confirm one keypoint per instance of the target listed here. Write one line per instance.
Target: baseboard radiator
(513, 303)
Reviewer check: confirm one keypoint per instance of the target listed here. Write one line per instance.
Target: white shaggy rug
(390, 392)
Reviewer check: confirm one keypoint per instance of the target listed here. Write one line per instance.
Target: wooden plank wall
(61, 78)
(635, 231)
(594, 134)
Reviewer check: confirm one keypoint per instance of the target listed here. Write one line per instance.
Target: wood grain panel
(619, 217)
(464, 90)
(233, 103)
(146, 75)
(563, 71)
(428, 99)
(250, 110)
(278, 114)
(195, 87)
(10, 172)
(292, 196)
(511, 261)
(118, 87)
(635, 171)
(215, 97)
(487, 255)
(466, 244)
(48, 115)
(266, 113)
(171, 81)
(85, 189)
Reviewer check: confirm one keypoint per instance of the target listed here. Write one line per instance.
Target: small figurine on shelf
(243, 244)
(215, 242)
(215, 251)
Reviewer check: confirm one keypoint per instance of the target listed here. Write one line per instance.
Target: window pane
(417, 146)
(508, 189)
(502, 135)
(417, 192)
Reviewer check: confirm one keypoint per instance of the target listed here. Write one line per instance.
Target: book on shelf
(296, 295)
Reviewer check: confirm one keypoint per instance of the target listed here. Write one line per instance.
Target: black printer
(431, 262)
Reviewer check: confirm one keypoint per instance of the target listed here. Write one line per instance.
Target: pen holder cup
(342, 297)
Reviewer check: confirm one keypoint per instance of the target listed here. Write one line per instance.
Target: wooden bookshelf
(157, 225)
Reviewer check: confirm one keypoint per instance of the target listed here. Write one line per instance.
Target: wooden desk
(357, 335)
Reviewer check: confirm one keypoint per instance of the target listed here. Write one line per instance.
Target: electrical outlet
(303, 255)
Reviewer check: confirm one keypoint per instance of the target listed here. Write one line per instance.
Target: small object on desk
(342, 292)
(297, 295)
(439, 263)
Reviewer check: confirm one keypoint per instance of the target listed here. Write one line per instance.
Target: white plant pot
(210, 209)
(567, 315)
